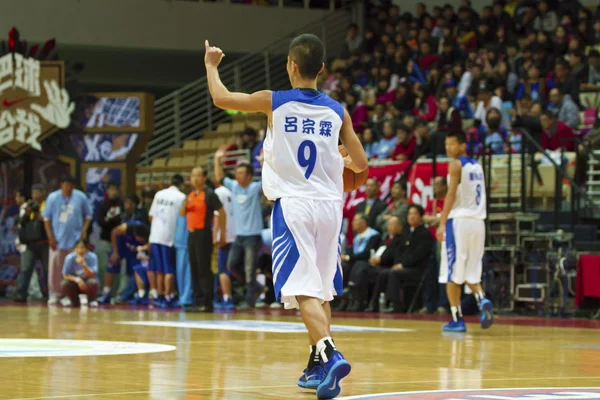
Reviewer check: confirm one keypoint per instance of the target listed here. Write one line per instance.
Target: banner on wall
(419, 184)
(35, 102)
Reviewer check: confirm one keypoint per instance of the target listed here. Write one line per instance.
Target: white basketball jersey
(470, 194)
(301, 157)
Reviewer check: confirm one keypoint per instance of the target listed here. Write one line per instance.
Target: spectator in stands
(353, 40)
(486, 101)
(435, 205)
(405, 146)
(67, 218)
(376, 122)
(411, 259)
(199, 207)
(496, 134)
(554, 133)
(546, 21)
(563, 81)
(371, 207)
(369, 142)
(593, 79)
(469, 82)
(459, 103)
(564, 108)
(163, 219)
(448, 118)
(423, 146)
(248, 223)
(357, 110)
(108, 217)
(534, 86)
(366, 240)
(228, 237)
(579, 69)
(387, 143)
(425, 106)
(398, 206)
(79, 274)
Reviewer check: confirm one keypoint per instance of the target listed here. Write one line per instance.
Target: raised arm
(223, 98)
(357, 158)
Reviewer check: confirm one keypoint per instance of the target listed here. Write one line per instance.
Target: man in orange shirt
(199, 207)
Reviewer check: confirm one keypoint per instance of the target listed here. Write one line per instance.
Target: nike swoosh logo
(9, 103)
(308, 377)
(334, 383)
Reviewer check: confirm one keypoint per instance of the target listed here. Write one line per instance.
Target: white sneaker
(93, 303)
(53, 300)
(66, 302)
(275, 305)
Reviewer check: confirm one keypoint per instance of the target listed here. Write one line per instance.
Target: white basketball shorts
(306, 249)
(462, 251)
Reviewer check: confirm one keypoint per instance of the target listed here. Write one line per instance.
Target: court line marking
(441, 391)
(294, 386)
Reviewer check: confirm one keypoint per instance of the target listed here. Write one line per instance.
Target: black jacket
(377, 208)
(389, 255)
(416, 248)
(109, 216)
(139, 214)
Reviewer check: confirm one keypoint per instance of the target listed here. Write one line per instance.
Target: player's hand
(53, 243)
(440, 233)
(374, 260)
(397, 267)
(213, 55)
(79, 260)
(223, 241)
(220, 153)
(115, 258)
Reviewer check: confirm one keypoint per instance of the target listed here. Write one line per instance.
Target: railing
(187, 112)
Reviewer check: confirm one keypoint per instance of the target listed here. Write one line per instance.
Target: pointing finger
(206, 45)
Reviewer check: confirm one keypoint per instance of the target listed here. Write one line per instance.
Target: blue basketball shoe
(486, 314)
(336, 369)
(105, 299)
(455, 326)
(311, 379)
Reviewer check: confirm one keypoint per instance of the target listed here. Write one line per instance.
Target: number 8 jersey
(301, 157)
(470, 194)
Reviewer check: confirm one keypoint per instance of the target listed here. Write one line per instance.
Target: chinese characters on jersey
(308, 125)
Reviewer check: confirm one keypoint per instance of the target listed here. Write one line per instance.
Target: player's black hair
(111, 184)
(362, 216)
(68, 179)
(418, 208)
(548, 114)
(308, 52)
(249, 168)
(459, 136)
(83, 242)
(177, 180)
(134, 198)
(141, 230)
(402, 184)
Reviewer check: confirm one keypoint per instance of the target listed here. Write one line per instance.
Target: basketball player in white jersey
(302, 173)
(462, 227)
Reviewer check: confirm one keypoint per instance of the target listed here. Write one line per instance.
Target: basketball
(352, 180)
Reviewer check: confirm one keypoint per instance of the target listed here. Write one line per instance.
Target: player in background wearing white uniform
(462, 227)
(302, 173)
(224, 274)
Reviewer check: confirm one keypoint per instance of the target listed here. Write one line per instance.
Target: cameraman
(32, 237)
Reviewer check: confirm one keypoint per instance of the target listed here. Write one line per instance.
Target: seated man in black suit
(364, 273)
(366, 239)
(372, 206)
(411, 259)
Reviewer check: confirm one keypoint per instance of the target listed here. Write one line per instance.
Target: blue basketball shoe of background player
(311, 378)
(336, 369)
(455, 326)
(486, 314)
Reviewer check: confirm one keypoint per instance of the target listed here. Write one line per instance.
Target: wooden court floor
(258, 355)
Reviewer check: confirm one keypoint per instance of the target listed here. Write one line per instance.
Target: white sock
(262, 279)
(324, 346)
(106, 290)
(141, 293)
(153, 293)
(226, 297)
(168, 297)
(262, 296)
(456, 313)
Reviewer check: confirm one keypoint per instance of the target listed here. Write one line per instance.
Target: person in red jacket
(554, 133)
(426, 109)
(405, 147)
